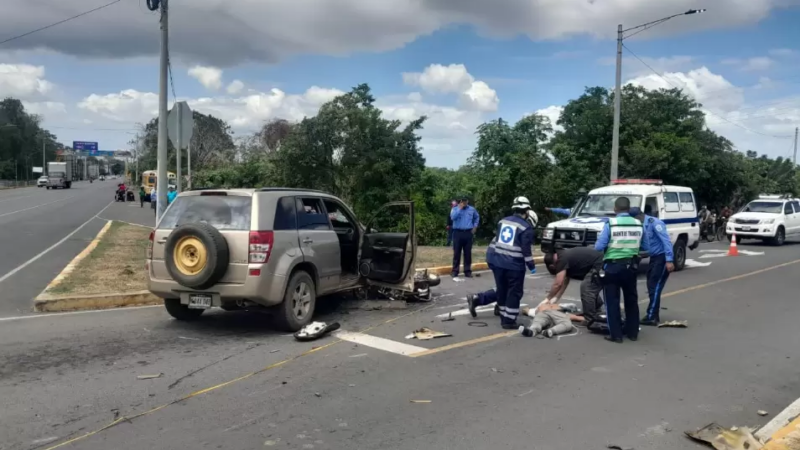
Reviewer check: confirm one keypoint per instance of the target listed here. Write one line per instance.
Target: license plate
(745, 228)
(199, 301)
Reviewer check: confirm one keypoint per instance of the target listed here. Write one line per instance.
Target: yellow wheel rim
(190, 255)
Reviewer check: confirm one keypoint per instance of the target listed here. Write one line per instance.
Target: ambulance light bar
(637, 181)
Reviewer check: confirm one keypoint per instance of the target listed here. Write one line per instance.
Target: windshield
(599, 205)
(764, 207)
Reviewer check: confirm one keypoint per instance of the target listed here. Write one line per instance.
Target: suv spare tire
(196, 255)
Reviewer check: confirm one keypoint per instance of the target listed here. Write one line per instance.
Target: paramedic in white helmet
(509, 257)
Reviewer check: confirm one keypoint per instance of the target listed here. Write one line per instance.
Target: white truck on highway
(675, 205)
(61, 175)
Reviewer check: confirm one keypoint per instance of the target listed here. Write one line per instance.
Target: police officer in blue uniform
(509, 257)
(661, 262)
(622, 239)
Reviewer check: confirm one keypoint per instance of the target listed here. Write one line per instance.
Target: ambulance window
(651, 206)
(671, 202)
(687, 201)
(787, 209)
(796, 207)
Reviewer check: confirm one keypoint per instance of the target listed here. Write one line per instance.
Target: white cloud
(210, 77)
(552, 112)
(128, 106)
(235, 87)
(708, 88)
(268, 31)
(755, 64)
(23, 81)
(782, 52)
(455, 79)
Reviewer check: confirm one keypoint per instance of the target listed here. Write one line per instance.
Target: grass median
(117, 263)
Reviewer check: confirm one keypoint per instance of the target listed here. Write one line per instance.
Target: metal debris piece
(478, 324)
(149, 377)
(724, 439)
(674, 324)
(425, 334)
(315, 330)
(762, 413)
(420, 401)
(618, 447)
(317, 394)
(449, 318)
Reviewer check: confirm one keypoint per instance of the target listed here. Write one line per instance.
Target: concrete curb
(445, 270)
(47, 303)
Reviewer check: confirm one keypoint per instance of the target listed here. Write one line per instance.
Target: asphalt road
(42, 230)
(229, 381)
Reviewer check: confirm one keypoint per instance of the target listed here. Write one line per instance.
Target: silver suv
(274, 247)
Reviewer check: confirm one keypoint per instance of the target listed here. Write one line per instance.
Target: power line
(58, 23)
(707, 111)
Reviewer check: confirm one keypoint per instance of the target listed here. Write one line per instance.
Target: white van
(675, 205)
(771, 218)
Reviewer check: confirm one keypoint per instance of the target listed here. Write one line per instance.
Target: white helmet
(532, 218)
(521, 203)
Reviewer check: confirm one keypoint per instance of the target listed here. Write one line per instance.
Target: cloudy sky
(460, 62)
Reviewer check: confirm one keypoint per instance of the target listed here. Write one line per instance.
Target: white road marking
(16, 198)
(74, 313)
(692, 263)
(779, 421)
(712, 251)
(379, 343)
(37, 206)
(48, 249)
(714, 255)
(750, 253)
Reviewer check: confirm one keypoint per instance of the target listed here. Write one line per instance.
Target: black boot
(497, 310)
(472, 303)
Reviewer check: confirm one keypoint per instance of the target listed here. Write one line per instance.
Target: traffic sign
(180, 125)
(37, 169)
(84, 146)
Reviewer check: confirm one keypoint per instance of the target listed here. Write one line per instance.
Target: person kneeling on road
(508, 256)
(548, 320)
(579, 263)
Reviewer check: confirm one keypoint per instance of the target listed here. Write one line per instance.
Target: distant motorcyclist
(726, 212)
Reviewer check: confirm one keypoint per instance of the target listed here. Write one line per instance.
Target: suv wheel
(181, 312)
(780, 237)
(298, 304)
(679, 252)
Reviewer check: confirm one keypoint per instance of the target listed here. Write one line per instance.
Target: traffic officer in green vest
(621, 239)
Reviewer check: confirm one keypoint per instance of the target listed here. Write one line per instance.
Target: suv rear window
(223, 212)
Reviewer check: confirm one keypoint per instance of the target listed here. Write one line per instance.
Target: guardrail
(11, 184)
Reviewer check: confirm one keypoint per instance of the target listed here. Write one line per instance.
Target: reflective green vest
(625, 238)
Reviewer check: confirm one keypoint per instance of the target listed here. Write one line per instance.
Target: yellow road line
(491, 337)
(221, 385)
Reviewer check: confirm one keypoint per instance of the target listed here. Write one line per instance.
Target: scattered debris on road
(674, 324)
(425, 334)
(726, 439)
(315, 330)
(762, 413)
(420, 401)
(188, 338)
(618, 447)
(478, 324)
(149, 377)
(317, 394)
(495, 370)
(449, 318)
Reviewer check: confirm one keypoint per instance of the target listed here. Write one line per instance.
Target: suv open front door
(387, 257)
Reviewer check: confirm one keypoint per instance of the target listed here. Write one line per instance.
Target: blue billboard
(84, 146)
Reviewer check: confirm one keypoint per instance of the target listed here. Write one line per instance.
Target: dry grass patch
(115, 265)
(443, 256)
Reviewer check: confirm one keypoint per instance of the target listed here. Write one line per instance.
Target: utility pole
(44, 159)
(161, 179)
(617, 103)
(179, 144)
(189, 165)
(794, 157)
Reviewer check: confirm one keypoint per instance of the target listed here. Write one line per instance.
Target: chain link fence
(11, 184)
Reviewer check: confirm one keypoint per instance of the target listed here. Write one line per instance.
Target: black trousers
(619, 277)
(591, 303)
(462, 242)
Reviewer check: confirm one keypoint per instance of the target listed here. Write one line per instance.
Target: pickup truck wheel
(780, 237)
(48, 188)
(181, 312)
(551, 269)
(679, 254)
(299, 303)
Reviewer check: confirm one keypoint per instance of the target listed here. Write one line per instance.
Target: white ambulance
(771, 218)
(675, 205)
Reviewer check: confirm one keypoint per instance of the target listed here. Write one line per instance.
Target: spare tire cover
(196, 255)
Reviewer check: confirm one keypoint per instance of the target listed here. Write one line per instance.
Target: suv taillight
(260, 246)
(150, 245)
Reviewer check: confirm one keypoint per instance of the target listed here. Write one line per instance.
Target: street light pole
(618, 83)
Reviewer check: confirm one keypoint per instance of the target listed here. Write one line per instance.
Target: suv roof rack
(278, 189)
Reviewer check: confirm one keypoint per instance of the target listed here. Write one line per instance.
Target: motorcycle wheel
(711, 235)
(720, 233)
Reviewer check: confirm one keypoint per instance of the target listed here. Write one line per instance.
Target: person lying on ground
(579, 263)
(549, 320)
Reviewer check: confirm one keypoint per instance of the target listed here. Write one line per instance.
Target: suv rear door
(387, 257)
(230, 212)
(319, 242)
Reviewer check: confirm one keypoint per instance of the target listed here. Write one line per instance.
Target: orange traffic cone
(732, 250)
